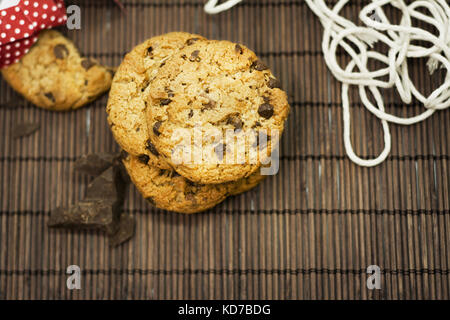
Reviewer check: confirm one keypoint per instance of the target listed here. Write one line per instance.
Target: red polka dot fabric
(21, 22)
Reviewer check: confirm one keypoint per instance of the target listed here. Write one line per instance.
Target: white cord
(211, 6)
(358, 41)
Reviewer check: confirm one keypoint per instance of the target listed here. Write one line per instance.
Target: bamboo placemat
(308, 233)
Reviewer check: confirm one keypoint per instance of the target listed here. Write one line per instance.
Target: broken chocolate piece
(94, 164)
(127, 226)
(60, 51)
(265, 110)
(24, 129)
(109, 186)
(87, 214)
(238, 49)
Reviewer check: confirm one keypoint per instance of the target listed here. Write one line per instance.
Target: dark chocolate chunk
(259, 65)
(94, 164)
(220, 150)
(87, 63)
(191, 113)
(60, 51)
(156, 127)
(150, 51)
(87, 214)
(265, 110)
(126, 229)
(235, 121)
(273, 83)
(195, 56)
(50, 96)
(144, 158)
(150, 147)
(191, 41)
(24, 129)
(108, 186)
(238, 49)
(165, 102)
(208, 106)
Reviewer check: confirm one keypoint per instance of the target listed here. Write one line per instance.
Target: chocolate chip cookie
(209, 108)
(128, 97)
(53, 75)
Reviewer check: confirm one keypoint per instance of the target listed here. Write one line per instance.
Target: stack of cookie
(197, 118)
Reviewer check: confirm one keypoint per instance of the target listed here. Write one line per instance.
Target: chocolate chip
(235, 121)
(259, 65)
(60, 51)
(208, 106)
(150, 147)
(162, 64)
(24, 129)
(191, 41)
(220, 150)
(191, 113)
(238, 49)
(50, 96)
(151, 200)
(273, 83)
(165, 102)
(170, 93)
(144, 158)
(150, 51)
(184, 56)
(87, 63)
(265, 110)
(256, 125)
(195, 56)
(156, 127)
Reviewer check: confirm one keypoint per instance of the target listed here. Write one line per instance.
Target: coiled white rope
(358, 41)
(211, 6)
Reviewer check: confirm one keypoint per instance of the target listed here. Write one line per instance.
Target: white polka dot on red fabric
(13, 17)
(54, 8)
(8, 26)
(17, 9)
(26, 3)
(17, 45)
(3, 35)
(12, 39)
(3, 13)
(45, 6)
(44, 16)
(17, 31)
(36, 4)
(35, 14)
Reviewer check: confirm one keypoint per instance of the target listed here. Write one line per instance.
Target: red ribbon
(20, 26)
